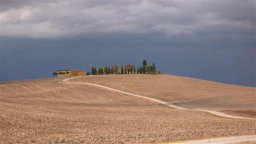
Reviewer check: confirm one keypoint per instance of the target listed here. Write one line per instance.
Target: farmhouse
(69, 73)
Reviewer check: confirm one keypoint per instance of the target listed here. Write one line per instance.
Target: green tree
(122, 69)
(107, 70)
(101, 70)
(104, 70)
(144, 62)
(147, 69)
(93, 70)
(154, 70)
(140, 70)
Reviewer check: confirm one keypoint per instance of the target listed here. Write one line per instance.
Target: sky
(206, 39)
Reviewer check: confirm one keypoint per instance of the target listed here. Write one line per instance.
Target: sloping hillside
(50, 111)
(183, 91)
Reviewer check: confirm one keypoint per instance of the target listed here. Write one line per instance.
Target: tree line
(146, 68)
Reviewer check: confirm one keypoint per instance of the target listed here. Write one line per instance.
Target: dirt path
(224, 140)
(127, 93)
(224, 115)
(216, 113)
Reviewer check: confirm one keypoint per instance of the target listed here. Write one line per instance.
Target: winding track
(223, 140)
(215, 113)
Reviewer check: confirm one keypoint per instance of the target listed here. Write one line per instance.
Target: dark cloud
(65, 18)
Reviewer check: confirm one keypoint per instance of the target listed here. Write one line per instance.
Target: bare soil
(187, 92)
(247, 143)
(45, 111)
(245, 113)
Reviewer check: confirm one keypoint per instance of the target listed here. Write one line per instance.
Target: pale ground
(247, 143)
(221, 140)
(46, 111)
(183, 91)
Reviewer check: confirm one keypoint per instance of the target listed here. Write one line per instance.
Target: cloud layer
(65, 18)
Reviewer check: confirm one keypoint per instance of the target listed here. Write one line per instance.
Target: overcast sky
(186, 29)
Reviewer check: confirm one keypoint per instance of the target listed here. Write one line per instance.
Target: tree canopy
(146, 68)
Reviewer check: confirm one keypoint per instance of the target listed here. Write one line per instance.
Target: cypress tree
(145, 62)
(93, 71)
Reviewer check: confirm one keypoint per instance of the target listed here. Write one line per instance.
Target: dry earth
(247, 143)
(46, 111)
(183, 91)
(244, 113)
